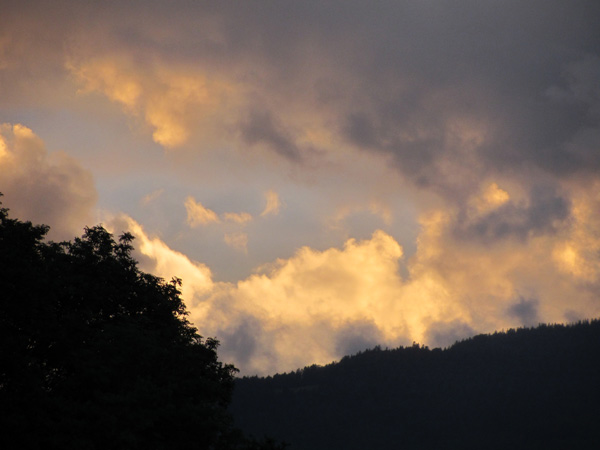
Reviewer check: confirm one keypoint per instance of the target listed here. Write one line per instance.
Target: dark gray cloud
(525, 311)
(402, 72)
(573, 316)
(391, 77)
(444, 334)
(357, 336)
(239, 343)
(262, 128)
(491, 61)
(546, 211)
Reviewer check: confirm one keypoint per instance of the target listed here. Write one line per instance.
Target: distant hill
(519, 389)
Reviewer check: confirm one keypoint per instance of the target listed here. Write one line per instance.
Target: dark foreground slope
(526, 388)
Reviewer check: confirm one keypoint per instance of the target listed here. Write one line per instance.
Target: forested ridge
(520, 389)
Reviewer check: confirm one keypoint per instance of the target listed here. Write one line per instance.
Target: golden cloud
(160, 260)
(578, 253)
(192, 102)
(237, 240)
(152, 196)
(171, 100)
(239, 218)
(314, 306)
(44, 187)
(273, 204)
(376, 208)
(115, 77)
(491, 198)
(198, 214)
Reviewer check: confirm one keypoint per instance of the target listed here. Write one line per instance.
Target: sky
(323, 176)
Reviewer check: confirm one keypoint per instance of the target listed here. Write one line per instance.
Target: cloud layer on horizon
(317, 306)
(487, 266)
(324, 177)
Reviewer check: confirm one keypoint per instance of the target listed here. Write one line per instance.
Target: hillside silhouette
(536, 388)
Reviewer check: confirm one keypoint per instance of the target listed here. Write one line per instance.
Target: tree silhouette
(95, 353)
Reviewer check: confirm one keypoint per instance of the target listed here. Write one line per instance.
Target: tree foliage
(95, 353)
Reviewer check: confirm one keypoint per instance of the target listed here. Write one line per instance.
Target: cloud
(152, 196)
(492, 198)
(454, 289)
(375, 208)
(302, 310)
(262, 128)
(449, 94)
(425, 85)
(117, 78)
(543, 210)
(357, 336)
(577, 252)
(494, 87)
(318, 305)
(526, 311)
(170, 100)
(158, 258)
(242, 339)
(484, 118)
(239, 218)
(579, 86)
(49, 188)
(444, 334)
(237, 240)
(273, 204)
(198, 214)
